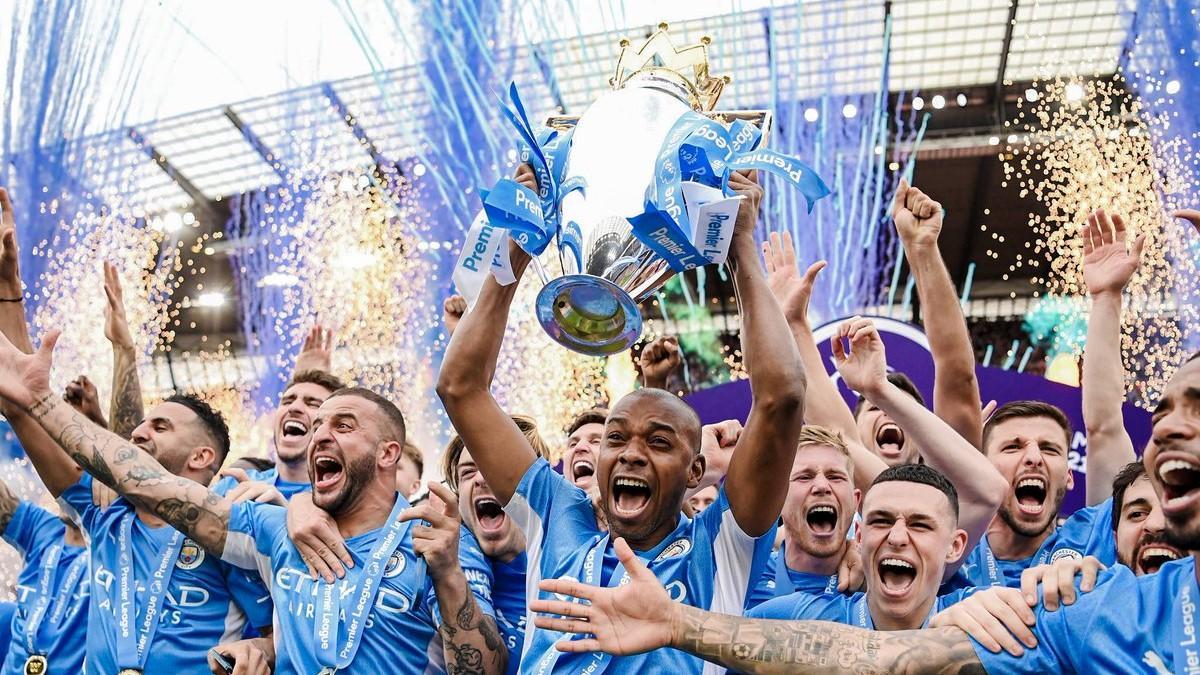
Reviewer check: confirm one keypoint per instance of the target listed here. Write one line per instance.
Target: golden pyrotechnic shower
(1087, 145)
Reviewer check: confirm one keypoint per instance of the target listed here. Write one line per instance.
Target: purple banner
(908, 352)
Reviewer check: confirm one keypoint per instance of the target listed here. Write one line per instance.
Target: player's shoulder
(805, 606)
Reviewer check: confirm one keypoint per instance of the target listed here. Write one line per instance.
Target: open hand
(24, 378)
(116, 323)
(630, 619)
(1108, 262)
(791, 290)
(317, 351)
(10, 271)
(997, 618)
(1190, 215)
(315, 535)
(864, 369)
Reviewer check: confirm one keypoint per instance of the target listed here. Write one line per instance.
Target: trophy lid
(671, 69)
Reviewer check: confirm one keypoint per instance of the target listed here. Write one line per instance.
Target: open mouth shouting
(1152, 555)
(328, 472)
(1180, 478)
(889, 438)
(1030, 493)
(896, 576)
(582, 468)
(629, 496)
(489, 514)
(822, 519)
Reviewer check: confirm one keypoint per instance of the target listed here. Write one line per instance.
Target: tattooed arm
(639, 616)
(8, 506)
(125, 406)
(188, 506)
(761, 646)
(126, 468)
(470, 640)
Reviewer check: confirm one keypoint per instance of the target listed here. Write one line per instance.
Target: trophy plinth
(589, 314)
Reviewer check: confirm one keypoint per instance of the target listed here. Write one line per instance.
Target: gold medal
(36, 664)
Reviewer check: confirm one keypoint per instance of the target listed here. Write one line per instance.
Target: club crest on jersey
(1066, 554)
(190, 555)
(677, 548)
(395, 565)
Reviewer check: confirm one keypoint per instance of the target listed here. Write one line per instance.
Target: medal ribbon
(42, 604)
(132, 652)
(1183, 627)
(327, 627)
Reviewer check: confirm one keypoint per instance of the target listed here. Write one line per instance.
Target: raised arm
(317, 351)
(125, 404)
(464, 382)
(8, 506)
(659, 359)
(955, 388)
(1108, 264)
(762, 460)
(126, 468)
(639, 616)
(471, 643)
(57, 470)
(823, 404)
(980, 487)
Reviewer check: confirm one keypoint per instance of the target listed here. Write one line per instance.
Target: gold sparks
(1086, 145)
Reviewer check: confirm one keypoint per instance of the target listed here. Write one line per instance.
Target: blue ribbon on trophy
(632, 192)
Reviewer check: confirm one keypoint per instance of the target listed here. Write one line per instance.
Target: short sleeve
(1089, 531)
(1058, 635)
(250, 593)
(32, 529)
(764, 590)
(803, 607)
(740, 560)
(477, 569)
(76, 503)
(544, 496)
(254, 529)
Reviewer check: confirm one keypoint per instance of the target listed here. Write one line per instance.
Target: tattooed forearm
(8, 506)
(126, 468)
(125, 406)
(471, 642)
(760, 646)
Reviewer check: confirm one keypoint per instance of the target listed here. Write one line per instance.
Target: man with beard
(1140, 526)
(497, 536)
(1028, 441)
(908, 535)
(292, 425)
(357, 437)
(1127, 624)
(168, 624)
(649, 457)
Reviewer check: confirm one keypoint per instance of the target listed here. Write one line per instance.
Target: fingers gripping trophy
(630, 193)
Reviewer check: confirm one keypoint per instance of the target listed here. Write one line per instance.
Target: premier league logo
(190, 555)
(677, 548)
(395, 565)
